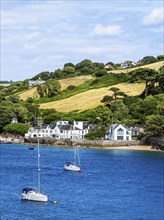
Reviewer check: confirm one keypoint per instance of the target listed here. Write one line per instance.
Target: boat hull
(71, 168)
(35, 197)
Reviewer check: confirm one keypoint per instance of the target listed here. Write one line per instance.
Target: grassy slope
(76, 81)
(91, 98)
(155, 66)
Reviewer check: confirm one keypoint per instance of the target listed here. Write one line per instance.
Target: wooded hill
(90, 91)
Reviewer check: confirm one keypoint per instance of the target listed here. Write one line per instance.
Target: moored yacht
(71, 167)
(75, 166)
(31, 194)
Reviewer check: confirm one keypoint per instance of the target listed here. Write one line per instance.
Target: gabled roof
(114, 126)
(65, 127)
(44, 126)
(52, 126)
(76, 128)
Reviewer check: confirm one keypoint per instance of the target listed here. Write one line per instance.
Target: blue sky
(43, 35)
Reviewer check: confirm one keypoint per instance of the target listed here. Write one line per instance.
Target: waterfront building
(60, 130)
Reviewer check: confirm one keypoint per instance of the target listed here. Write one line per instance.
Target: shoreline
(132, 147)
(20, 140)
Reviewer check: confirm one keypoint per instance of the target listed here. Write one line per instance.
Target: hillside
(154, 66)
(83, 87)
(91, 98)
(75, 81)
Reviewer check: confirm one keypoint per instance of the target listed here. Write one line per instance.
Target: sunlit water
(115, 184)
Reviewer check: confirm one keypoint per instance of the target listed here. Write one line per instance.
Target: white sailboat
(31, 194)
(75, 166)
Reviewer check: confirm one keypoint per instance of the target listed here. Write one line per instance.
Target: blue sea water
(115, 184)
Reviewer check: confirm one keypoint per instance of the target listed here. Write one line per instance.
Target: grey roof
(52, 126)
(77, 128)
(114, 126)
(45, 126)
(65, 127)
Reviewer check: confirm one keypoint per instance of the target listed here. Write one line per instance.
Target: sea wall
(85, 143)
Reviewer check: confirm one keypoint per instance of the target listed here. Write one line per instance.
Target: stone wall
(85, 143)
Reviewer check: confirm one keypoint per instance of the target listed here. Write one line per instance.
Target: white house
(60, 130)
(118, 132)
(127, 64)
(14, 120)
(32, 83)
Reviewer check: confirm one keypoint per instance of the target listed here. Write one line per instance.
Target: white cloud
(154, 17)
(90, 50)
(43, 35)
(111, 30)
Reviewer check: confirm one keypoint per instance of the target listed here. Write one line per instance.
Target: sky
(43, 35)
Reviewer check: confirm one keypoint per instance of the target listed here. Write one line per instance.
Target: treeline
(86, 67)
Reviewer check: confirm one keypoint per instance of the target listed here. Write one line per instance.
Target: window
(119, 138)
(120, 131)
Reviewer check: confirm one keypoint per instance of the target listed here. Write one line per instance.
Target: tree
(96, 133)
(144, 74)
(51, 118)
(142, 108)
(155, 124)
(71, 87)
(100, 73)
(57, 74)
(120, 111)
(85, 67)
(117, 93)
(148, 59)
(14, 98)
(68, 70)
(6, 114)
(29, 100)
(43, 75)
(160, 78)
(160, 57)
(40, 90)
(99, 66)
(21, 113)
(53, 87)
(69, 64)
(16, 128)
(102, 115)
(107, 99)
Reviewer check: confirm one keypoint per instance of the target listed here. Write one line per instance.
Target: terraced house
(60, 130)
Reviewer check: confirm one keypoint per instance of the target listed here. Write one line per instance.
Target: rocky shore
(10, 138)
(100, 144)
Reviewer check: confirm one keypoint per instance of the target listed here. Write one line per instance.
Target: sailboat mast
(38, 165)
(74, 156)
(78, 158)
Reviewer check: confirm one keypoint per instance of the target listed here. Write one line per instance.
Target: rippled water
(115, 184)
